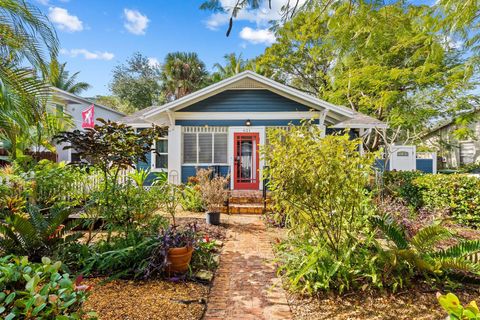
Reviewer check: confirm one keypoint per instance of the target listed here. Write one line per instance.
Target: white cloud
(257, 36)
(153, 62)
(451, 43)
(64, 20)
(89, 55)
(136, 22)
(216, 20)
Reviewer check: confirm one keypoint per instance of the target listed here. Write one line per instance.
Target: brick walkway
(246, 286)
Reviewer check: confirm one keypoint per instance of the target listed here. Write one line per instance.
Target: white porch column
(321, 123)
(361, 135)
(175, 154)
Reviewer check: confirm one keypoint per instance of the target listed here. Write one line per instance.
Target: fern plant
(35, 234)
(422, 253)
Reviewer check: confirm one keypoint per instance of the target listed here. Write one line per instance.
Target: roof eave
(83, 100)
(224, 83)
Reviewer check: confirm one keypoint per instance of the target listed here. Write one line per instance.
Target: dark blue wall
(379, 164)
(190, 171)
(227, 123)
(145, 165)
(425, 165)
(246, 101)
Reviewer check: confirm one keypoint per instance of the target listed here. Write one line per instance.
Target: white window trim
(197, 163)
(153, 167)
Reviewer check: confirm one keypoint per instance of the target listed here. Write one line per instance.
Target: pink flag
(88, 117)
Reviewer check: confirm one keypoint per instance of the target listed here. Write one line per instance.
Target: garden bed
(154, 299)
(415, 303)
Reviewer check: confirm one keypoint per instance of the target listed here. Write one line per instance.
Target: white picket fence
(80, 189)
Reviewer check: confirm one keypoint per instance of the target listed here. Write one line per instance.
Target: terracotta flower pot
(179, 259)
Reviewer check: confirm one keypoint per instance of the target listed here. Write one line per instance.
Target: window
(160, 154)
(205, 145)
(402, 154)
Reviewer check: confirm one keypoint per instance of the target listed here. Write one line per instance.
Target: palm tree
(182, 73)
(422, 253)
(61, 79)
(234, 64)
(25, 33)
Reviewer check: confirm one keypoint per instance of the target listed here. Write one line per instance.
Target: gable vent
(247, 84)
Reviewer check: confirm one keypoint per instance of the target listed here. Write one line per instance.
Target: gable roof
(73, 98)
(447, 122)
(249, 79)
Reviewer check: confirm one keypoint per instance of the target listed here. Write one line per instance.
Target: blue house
(223, 125)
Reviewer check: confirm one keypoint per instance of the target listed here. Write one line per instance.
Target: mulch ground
(410, 304)
(155, 299)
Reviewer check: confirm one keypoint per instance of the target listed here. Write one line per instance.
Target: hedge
(459, 193)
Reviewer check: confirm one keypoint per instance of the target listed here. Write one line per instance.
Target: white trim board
(244, 115)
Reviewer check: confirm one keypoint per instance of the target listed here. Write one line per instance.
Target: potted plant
(214, 191)
(179, 245)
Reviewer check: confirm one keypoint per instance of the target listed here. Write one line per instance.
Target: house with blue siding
(223, 125)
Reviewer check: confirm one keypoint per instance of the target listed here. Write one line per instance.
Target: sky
(96, 35)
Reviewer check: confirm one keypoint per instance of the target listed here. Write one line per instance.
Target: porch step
(246, 200)
(250, 208)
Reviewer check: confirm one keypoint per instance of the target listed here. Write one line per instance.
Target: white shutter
(220, 148)
(205, 147)
(189, 148)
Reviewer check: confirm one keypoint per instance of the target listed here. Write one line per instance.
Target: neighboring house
(223, 125)
(452, 152)
(73, 105)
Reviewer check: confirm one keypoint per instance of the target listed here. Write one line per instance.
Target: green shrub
(203, 255)
(57, 182)
(455, 310)
(121, 256)
(422, 255)
(319, 184)
(310, 267)
(39, 291)
(400, 184)
(457, 192)
(35, 233)
(191, 199)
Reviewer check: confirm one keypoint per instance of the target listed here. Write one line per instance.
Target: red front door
(246, 172)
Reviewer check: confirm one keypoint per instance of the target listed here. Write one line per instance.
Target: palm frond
(459, 265)
(391, 230)
(427, 237)
(469, 250)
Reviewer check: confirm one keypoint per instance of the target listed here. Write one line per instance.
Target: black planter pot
(213, 218)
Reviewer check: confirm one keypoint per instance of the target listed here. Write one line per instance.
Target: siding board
(235, 123)
(191, 171)
(246, 101)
